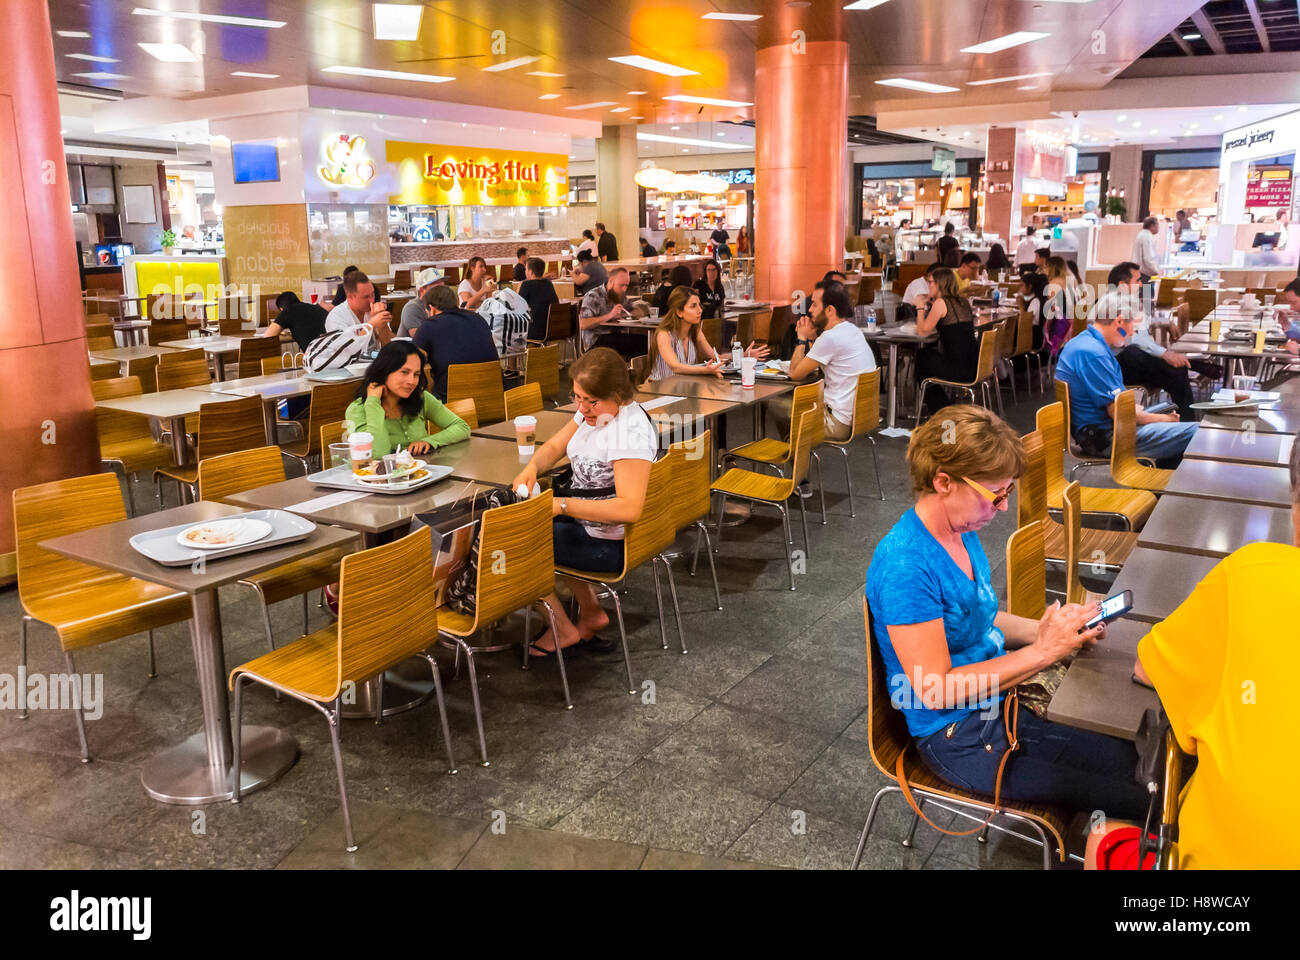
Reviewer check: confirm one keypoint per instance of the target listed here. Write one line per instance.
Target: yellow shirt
(1223, 664)
(962, 282)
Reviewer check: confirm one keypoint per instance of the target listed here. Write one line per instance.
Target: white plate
(223, 534)
(388, 477)
(1245, 406)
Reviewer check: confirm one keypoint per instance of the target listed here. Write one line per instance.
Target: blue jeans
(1164, 441)
(1055, 764)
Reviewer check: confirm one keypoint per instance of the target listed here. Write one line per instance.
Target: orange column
(801, 96)
(49, 422)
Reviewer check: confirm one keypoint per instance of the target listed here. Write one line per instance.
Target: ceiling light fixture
(211, 18)
(73, 34)
(169, 52)
(708, 101)
(636, 93)
(620, 110)
(1122, 117)
(1023, 76)
(101, 75)
(549, 96)
(1007, 42)
(593, 106)
(256, 76)
(397, 21)
(864, 4)
(388, 74)
(690, 141)
(920, 85)
(510, 64)
(1191, 36)
(656, 66)
(732, 16)
(543, 73)
(91, 58)
(1136, 124)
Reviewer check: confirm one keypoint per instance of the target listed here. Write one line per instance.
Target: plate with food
(225, 533)
(377, 472)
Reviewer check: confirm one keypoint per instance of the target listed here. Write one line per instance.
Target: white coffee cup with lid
(361, 448)
(526, 435)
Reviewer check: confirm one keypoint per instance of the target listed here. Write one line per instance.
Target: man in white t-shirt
(829, 341)
(360, 306)
(918, 291)
(1026, 249)
(1144, 249)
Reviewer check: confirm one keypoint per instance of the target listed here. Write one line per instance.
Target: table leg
(180, 449)
(893, 384)
(198, 770)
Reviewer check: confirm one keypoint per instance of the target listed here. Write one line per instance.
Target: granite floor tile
(790, 838)
(388, 838)
(676, 860)
(816, 697)
(523, 848)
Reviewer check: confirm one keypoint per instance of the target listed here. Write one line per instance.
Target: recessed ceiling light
(211, 18)
(510, 64)
(1023, 76)
(1218, 116)
(1191, 36)
(636, 117)
(1153, 131)
(721, 134)
(657, 66)
(1136, 124)
(636, 93)
(397, 21)
(732, 16)
(864, 4)
(712, 144)
(549, 96)
(1122, 117)
(91, 58)
(620, 110)
(1006, 42)
(1241, 109)
(685, 150)
(916, 85)
(169, 52)
(101, 75)
(388, 74)
(676, 128)
(256, 76)
(1194, 126)
(543, 73)
(593, 106)
(708, 101)
(73, 34)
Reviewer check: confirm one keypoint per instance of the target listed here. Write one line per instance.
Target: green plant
(169, 238)
(1116, 207)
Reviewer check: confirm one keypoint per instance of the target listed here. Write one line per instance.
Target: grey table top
(1160, 580)
(551, 422)
(286, 383)
(1246, 445)
(109, 547)
(686, 407)
(1098, 692)
(1236, 482)
(215, 344)
(1210, 528)
(483, 460)
(712, 388)
(166, 403)
(1273, 419)
(130, 353)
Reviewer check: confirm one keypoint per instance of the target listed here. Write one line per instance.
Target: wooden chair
(329, 403)
(778, 453)
(523, 400)
(1062, 390)
(712, 329)
(224, 427)
(782, 317)
(542, 367)
(754, 487)
(104, 371)
(1024, 347)
(126, 443)
(466, 410)
(1200, 303)
(175, 374)
(145, 370)
(983, 374)
(162, 330)
(1004, 346)
(1124, 466)
(1027, 572)
(866, 420)
(868, 287)
(888, 739)
(223, 476)
(177, 356)
(1165, 293)
(1127, 506)
(519, 536)
(278, 363)
(330, 433)
(693, 500)
(253, 350)
(402, 280)
(907, 272)
(99, 330)
(561, 328)
(377, 590)
(86, 605)
(101, 342)
(116, 387)
(640, 369)
(1075, 548)
(480, 382)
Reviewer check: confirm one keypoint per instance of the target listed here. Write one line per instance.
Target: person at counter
(721, 243)
(340, 294)
(360, 306)
(742, 242)
(709, 287)
(393, 406)
(603, 304)
(948, 246)
(648, 248)
(521, 265)
(1144, 249)
(414, 313)
(304, 321)
(540, 294)
(606, 244)
(1026, 249)
(477, 285)
(589, 274)
(997, 262)
(588, 243)
(678, 276)
(451, 334)
(669, 248)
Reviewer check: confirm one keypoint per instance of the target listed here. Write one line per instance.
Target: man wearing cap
(414, 312)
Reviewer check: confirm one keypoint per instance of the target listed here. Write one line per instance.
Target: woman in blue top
(950, 654)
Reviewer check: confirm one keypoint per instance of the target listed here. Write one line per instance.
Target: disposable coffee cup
(747, 367)
(1260, 336)
(526, 435)
(360, 447)
(1215, 325)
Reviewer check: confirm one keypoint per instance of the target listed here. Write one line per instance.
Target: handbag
(1095, 440)
(462, 588)
(335, 350)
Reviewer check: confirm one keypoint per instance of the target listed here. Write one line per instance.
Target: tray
(342, 478)
(161, 546)
(331, 376)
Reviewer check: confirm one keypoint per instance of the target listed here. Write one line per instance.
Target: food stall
(1256, 187)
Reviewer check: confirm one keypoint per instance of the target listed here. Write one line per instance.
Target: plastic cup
(747, 367)
(1215, 325)
(360, 447)
(340, 455)
(526, 435)
(1260, 335)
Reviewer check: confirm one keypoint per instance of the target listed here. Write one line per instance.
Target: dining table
(1245, 445)
(124, 355)
(1268, 418)
(1098, 692)
(272, 388)
(198, 769)
(1232, 482)
(1211, 528)
(1160, 580)
(215, 347)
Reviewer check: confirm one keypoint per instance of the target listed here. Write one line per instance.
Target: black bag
(1094, 440)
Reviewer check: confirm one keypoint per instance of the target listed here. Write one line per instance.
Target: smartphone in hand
(1112, 608)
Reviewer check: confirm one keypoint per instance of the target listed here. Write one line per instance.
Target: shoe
(331, 601)
(541, 653)
(595, 644)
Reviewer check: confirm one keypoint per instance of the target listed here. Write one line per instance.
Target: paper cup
(360, 446)
(747, 366)
(526, 435)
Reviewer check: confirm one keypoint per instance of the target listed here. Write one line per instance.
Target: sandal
(541, 653)
(595, 644)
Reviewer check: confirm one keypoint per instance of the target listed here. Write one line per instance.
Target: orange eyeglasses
(997, 499)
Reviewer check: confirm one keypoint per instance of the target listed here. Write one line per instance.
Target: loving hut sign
(434, 174)
(491, 173)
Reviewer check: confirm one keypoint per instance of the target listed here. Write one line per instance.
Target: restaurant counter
(459, 251)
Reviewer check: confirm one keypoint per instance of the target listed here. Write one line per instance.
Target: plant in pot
(1116, 207)
(168, 241)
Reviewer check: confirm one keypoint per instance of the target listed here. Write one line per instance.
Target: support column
(616, 190)
(1126, 175)
(1003, 191)
(801, 96)
(44, 375)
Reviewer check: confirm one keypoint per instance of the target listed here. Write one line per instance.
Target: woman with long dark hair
(395, 408)
(678, 276)
(950, 316)
(710, 289)
(997, 262)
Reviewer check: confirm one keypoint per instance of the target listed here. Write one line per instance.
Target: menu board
(1269, 187)
(343, 234)
(266, 247)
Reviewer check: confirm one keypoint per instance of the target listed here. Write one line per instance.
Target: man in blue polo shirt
(1090, 368)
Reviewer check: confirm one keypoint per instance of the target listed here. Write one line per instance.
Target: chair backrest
(1063, 398)
(760, 326)
(378, 589)
(542, 367)
(162, 329)
(1165, 292)
(179, 356)
(1123, 446)
(1024, 332)
(228, 426)
(184, 373)
(866, 403)
(274, 364)
(330, 433)
(516, 558)
(253, 350)
(1072, 504)
(101, 342)
(559, 322)
(231, 326)
(104, 371)
(887, 734)
(656, 528)
(95, 330)
(782, 317)
(523, 400)
(806, 396)
(231, 473)
(118, 426)
(907, 272)
(143, 369)
(692, 497)
(1004, 344)
(1200, 303)
(1049, 424)
(329, 403)
(480, 382)
(467, 410)
(987, 356)
(1031, 490)
(640, 367)
(807, 429)
(54, 509)
(1027, 572)
(117, 387)
(711, 327)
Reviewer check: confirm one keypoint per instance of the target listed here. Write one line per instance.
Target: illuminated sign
(436, 174)
(346, 164)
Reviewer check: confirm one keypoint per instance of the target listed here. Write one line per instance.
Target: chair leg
(79, 711)
(236, 738)
(130, 493)
(306, 629)
(528, 633)
(22, 668)
(478, 707)
(722, 510)
(379, 698)
(880, 487)
(984, 834)
(677, 610)
(821, 486)
(803, 519)
(559, 655)
(916, 819)
(789, 561)
(334, 719)
(622, 636)
(153, 665)
(442, 711)
(848, 478)
(717, 593)
(866, 827)
(659, 602)
(695, 554)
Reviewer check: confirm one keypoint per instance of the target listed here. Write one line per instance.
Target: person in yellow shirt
(1221, 665)
(968, 271)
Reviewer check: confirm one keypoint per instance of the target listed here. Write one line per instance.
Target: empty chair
(1126, 505)
(1124, 465)
(466, 410)
(866, 420)
(329, 403)
(542, 367)
(1076, 551)
(523, 400)
(144, 369)
(115, 387)
(162, 330)
(224, 426)
(693, 499)
(480, 382)
(177, 374)
(253, 350)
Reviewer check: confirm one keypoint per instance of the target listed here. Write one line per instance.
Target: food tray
(342, 478)
(161, 546)
(330, 376)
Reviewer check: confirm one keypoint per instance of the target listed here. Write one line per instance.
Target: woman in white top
(588, 243)
(610, 443)
(477, 285)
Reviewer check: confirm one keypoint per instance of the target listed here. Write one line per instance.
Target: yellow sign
(266, 247)
(440, 175)
(346, 164)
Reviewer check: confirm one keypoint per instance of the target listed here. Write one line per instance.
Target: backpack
(337, 349)
(509, 316)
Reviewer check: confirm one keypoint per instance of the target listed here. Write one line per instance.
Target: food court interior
(726, 709)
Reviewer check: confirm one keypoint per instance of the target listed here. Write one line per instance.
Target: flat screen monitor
(1266, 240)
(123, 250)
(106, 255)
(255, 161)
(1190, 236)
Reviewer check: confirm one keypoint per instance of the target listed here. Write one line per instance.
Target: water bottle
(997, 295)
(737, 352)
(871, 320)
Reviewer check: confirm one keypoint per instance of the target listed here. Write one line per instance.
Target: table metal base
(183, 775)
(406, 686)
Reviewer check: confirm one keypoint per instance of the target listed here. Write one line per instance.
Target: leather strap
(1010, 724)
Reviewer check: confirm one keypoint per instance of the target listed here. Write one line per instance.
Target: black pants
(932, 363)
(1142, 369)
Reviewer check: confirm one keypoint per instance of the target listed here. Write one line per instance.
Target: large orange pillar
(801, 98)
(48, 430)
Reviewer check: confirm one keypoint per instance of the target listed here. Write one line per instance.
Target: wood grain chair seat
(866, 420)
(224, 427)
(1126, 505)
(1124, 466)
(1076, 550)
(480, 382)
(523, 400)
(86, 605)
(753, 487)
(984, 372)
(519, 536)
(693, 500)
(329, 403)
(888, 738)
(377, 589)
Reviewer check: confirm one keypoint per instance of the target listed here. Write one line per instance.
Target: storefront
(1083, 194)
(692, 210)
(890, 194)
(1256, 189)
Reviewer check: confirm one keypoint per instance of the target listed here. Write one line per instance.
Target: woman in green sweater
(393, 405)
